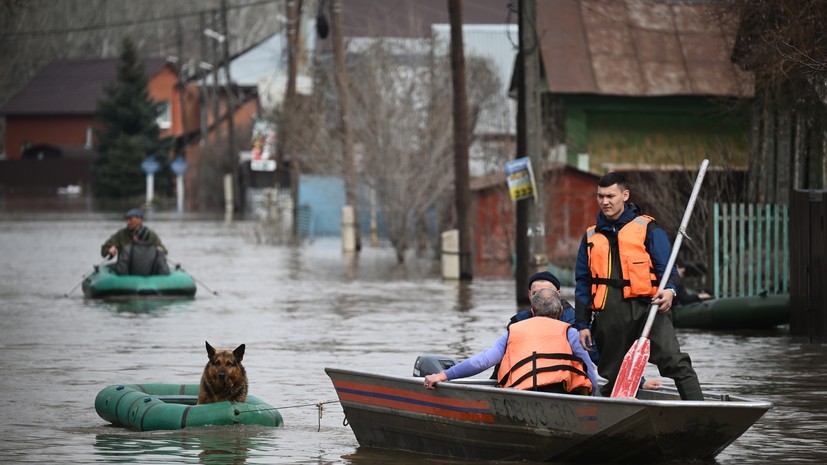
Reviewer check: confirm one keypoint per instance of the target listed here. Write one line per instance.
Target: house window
(164, 118)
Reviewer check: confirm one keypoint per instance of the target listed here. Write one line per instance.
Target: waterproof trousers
(617, 327)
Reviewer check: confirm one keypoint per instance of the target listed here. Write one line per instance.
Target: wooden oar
(631, 371)
(179, 267)
(87, 274)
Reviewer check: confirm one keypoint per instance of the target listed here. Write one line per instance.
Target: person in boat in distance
(619, 266)
(540, 353)
(685, 296)
(124, 236)
(141, 257)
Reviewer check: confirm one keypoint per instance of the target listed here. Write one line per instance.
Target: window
(164, 118)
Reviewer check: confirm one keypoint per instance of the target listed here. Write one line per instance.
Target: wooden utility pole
(285, 142)
(347, 132)
(462, 190)
(232, 155)
(531, 213)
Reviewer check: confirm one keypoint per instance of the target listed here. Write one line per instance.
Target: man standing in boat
(619, 265)
(540, 353)
(124, 236)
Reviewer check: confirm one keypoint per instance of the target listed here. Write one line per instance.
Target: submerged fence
(750, 249)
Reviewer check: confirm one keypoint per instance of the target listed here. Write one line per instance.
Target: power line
(96, 27)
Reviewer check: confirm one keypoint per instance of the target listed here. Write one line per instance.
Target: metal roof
(639, 48)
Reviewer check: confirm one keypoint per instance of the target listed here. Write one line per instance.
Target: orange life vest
(638, 274)
(538, 353)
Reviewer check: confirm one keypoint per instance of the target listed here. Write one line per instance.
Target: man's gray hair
(546, 302)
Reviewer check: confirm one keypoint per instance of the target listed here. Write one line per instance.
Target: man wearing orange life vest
(540, 353)
(619, 266)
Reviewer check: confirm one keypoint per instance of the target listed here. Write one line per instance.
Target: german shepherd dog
(224, 377)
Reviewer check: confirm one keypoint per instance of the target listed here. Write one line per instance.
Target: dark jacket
(124, 237)
(141, 259)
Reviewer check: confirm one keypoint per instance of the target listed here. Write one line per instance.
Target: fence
(750, 249)
(808, 272)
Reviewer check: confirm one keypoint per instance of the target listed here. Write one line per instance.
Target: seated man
(123, 237)
(141, 257)
(542, 341)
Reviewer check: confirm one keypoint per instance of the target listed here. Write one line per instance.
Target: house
(641, 82)
(571, 208)
(57, 106)
(53, 117)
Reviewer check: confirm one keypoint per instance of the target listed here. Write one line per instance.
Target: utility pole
(202, 90)
(347, 132)
(285, 141)
(232, 156)
(462, 190)
(531, 253)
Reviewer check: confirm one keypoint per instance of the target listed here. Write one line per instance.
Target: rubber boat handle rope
(87, 274)
(319, 406)
(199, 281)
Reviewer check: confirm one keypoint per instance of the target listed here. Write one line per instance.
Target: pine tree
(129, 132)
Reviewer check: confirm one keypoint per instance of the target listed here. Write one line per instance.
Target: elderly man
(562, 364)
(124, 237)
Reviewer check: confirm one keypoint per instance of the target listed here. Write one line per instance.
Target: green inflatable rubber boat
(731, 313)
(104, 282)
(150, 407)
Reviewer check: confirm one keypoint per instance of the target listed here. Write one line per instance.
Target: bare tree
(401, 111)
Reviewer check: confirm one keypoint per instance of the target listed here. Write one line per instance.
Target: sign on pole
(179, 166)
(150, 166)
(520, 178)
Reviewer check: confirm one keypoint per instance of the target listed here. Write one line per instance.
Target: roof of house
(69, 87)
(639, 48)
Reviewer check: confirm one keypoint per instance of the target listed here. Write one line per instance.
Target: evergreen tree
(129, 132)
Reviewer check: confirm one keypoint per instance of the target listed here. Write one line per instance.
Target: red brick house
(57, 107)
(53, 117)
(571, 207)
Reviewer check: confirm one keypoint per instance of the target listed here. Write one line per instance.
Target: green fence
(750, 249)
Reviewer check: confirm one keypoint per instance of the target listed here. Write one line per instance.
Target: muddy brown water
(298, 310)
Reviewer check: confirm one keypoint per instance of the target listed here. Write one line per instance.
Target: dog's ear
(210, 350)
(239, 352)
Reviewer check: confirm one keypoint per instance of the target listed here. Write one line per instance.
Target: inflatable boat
(751, 312)
(150, 407)
(105, 282)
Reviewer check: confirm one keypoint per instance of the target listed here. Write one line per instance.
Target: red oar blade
(631, 371)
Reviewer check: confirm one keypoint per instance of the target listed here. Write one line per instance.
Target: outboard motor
(430, 364)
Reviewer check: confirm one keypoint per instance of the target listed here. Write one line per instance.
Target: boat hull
(754, 312)
(106, 283)
(475, 420)
(149, 407)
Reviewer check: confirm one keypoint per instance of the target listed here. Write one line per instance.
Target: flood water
(298, 310)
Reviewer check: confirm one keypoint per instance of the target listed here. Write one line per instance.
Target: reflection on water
(151, 305)
(298, 310)
(209, 446)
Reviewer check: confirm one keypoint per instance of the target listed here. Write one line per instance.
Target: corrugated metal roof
(639, 48)
(69, 87)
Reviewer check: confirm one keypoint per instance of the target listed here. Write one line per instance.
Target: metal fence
(750, 249)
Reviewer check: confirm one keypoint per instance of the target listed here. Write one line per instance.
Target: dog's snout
(222, 375)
